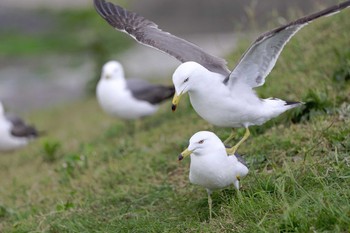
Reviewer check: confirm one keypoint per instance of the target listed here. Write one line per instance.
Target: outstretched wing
(261, 57)
(147, 32)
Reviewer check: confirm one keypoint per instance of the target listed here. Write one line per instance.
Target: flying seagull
(222, 97)
(14, 132)
(128, 98)
(210, 166)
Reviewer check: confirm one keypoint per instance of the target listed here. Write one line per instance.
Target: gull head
(112, 70)
(201, 143)
(184, 79)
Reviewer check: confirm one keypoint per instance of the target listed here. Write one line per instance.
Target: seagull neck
(216, 150)
(121, 82)
(205, 83)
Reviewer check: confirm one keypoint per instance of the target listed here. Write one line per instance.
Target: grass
(91, 174)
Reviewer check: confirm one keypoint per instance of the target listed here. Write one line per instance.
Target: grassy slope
(104, 177)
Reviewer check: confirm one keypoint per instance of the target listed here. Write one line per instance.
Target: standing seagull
(14, 133)
(128, 99)
(210, 166)
(222, 97)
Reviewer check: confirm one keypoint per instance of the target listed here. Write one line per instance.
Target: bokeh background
(51, 51)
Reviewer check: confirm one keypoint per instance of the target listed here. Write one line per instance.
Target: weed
(315, 103)
(342, 73)
(50, 150)
(72, 166)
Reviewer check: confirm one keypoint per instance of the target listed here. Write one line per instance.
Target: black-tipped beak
(184, 154)
(173, 107)
(175, 101)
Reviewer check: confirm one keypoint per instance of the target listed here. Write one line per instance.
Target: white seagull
(210, 166)
(128, 98)
(14, 133)
(222, 97)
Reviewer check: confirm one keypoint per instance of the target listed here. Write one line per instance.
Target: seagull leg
(232, 150)
(232, 135)
(210, 201)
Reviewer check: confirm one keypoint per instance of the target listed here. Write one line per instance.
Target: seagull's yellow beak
(184, 154)
(176, 101)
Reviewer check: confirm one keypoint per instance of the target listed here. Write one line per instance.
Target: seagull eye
(186, 80)
(201, 141)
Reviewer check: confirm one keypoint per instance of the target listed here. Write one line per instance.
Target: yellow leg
(232, 150)
(210, 204)
(232, 135)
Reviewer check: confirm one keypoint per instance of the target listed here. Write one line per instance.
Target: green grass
(73, 32)
(92, 174)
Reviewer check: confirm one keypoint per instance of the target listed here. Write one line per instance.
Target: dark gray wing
(153, 94)
(261, 57)
(147, 32)
(20, 129)
(241, 159)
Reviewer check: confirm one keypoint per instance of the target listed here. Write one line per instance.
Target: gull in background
(210, 166)
(222, 97)
(14, 132)
(128, 98)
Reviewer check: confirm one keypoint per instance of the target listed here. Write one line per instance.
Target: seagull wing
(258, 61)
(19, 128)
(147, 33)
(154, 94)
(241, 159)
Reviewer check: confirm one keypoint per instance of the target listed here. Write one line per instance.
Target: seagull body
(229, 99)
(210, 166)
(14, 133)
(128, 99)
(237, 106)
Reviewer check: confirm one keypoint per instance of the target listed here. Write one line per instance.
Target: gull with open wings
(221, 97)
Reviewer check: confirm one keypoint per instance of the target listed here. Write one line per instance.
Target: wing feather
(19, 128)
(154, 94)
(258, 61)
(147, 33)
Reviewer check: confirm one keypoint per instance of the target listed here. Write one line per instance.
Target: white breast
(7, 141)
(118, 101)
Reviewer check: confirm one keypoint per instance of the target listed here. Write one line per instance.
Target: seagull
(128, 98)
(210, 166)
(14, 133)
(222, 97)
